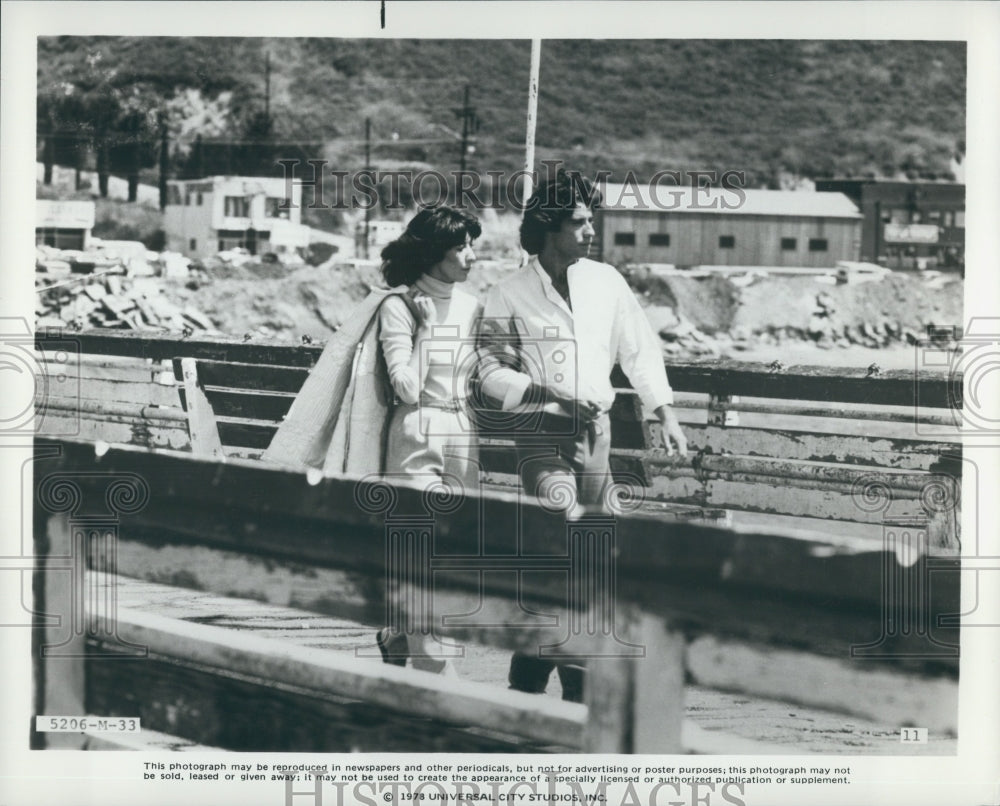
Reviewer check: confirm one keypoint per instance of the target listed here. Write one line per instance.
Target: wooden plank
(105, 368)
(403, 690)
(845, 686)
(609, 693)
(147, 741)
(845, 385)
(59, 643)
(146, 392)
(201, 420)
(777, 496)
(658, 694)
(256, 405)
(758, 379)
(245, 433)
(235, 375)
(905, 454)
(223, 505)
(124, 431)
(160, 346)
(235, 712)
(111, 410)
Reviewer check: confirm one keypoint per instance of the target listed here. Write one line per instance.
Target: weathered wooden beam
(110, 408)
(893, 387)
(252, 376)
(225, 505)
(59, 642)
(790, 444)
(459, 702)
(201, 420)
(840, 384)
(160, 346)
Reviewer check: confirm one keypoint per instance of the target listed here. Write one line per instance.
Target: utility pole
(368, 168)
(267, 86)
(470, 125)
(164, 159)
(529, 139)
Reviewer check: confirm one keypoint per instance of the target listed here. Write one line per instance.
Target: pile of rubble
(827, 331)
(115, 284)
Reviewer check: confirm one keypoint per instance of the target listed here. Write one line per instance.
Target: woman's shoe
(393, 646)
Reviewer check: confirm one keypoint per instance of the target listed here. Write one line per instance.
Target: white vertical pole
(529, 140)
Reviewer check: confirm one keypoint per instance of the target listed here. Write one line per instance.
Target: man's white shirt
(573, 351)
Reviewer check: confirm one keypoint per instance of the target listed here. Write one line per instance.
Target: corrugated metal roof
(682, 199)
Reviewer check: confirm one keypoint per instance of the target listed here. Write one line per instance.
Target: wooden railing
(834, 625)
(838, 623)
(828, 444)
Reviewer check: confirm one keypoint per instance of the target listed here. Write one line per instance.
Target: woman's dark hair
(552, 203)
(430, 233)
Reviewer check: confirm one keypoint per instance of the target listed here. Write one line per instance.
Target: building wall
(64, 224)
(694, 239)
(196, 218)
(187, 218)
(928, 204)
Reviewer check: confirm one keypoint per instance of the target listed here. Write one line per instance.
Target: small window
(817, 244)
(193, 244)
(187, 198)
(960, 219)
(659, 239)
(200, 198)
(624, 239)
(789, 244)
(727, 242)
(237, 206)
(173, 195)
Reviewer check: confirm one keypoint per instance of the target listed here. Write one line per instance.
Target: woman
(427, 338)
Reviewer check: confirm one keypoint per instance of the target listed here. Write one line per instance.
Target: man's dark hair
(552, 203)
(430, 233)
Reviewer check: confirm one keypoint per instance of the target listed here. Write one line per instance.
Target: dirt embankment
(765, 304)
(713, 315)
(273, 301)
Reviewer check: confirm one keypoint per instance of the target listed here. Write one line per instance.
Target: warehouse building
(206, 216)
(686, 226)
(908, 225)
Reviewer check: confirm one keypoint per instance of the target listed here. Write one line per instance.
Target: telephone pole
(164, 159)
(267, 86)
(470, 125)
(368, 168)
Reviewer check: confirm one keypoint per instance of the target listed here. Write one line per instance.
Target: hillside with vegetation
(774, 109)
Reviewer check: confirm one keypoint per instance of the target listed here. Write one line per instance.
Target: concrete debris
(114, 284)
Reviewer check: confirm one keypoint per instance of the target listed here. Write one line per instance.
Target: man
(551, 335)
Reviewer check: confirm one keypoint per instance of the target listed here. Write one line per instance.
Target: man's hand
(587, 409)
(671, 431)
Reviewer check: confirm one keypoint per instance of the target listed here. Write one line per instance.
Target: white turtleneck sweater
(447, 353)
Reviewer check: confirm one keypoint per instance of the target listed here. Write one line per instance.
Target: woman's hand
(426, 313)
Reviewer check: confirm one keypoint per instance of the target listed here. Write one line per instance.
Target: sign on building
(911, 233)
